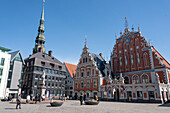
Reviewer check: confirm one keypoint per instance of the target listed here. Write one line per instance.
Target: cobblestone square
(75, 107)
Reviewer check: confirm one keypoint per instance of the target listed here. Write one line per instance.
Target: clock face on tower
(127, 40)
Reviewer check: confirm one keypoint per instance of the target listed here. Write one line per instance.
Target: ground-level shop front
(136, 92)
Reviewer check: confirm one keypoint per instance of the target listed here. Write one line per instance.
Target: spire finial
(85, 39)
(116, 36)
(132, 28)
(138, 28)
(126, 23)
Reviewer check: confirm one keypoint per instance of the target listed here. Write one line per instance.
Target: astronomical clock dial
(127, 40)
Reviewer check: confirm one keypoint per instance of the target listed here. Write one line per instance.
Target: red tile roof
(71, 68)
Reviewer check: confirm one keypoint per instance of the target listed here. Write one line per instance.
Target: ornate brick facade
(90, 73)
(140, 72)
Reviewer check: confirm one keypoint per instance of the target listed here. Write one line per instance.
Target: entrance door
(116, 95)
(88, 95)
(129, 95)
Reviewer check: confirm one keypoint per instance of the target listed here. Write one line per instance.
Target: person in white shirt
(28, 98)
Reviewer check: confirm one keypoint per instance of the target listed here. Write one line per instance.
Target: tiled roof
(44, 56)
(163, 61)
(71, 68)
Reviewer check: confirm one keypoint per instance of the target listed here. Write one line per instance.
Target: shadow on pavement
(164, 105)
(53, 106)
(10, 108)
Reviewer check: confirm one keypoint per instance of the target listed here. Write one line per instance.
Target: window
(151, 95)
(86, 59)
(56, 72)
(48, 84)
(60, 67)
(126, 80)
(18, 58)
(76, 85)
(1, 71)
(36, 76)
(81, 74)
(145, 79)
(35, 83)
(88, 73)
(125, 60)
(46, 70)
(135, 79)
(131, 59)
(138, 57)
(82, 85)
(120, 59)
(51, 65)
(88, 84)
(2, 61)
(42, 63)
(52, 77)
(49, 77)
(95, 84)
(146, 63)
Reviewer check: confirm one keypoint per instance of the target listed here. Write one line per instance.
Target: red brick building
(141, 72)
(90, 74)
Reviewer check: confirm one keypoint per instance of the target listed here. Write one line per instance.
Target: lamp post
(62, 90)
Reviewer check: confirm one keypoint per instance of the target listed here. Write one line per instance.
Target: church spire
(85, 46)
(40, 39)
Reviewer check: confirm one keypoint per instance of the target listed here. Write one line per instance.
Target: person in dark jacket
(36, 98)
(84, 97)
(81, 99)
(18, 102)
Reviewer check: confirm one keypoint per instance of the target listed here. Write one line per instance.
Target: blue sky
(67, 22)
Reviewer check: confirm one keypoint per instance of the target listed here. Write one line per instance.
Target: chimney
(100, 54)
(40, 50)
(50, 53)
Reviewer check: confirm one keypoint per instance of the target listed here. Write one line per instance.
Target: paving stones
(72, 106)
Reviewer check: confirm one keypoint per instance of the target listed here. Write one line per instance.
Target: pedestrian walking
(28, 98)
(31, 97)
(81, 99)
(84, 97)
(36, 98)
(18, 102)
(96, 98)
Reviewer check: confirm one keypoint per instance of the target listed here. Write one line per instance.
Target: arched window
(146, 60)
(131, 58)
(126, 80)
(137, 42)
(138, 57)
(135, 79)
(125, 60)
(145, 79)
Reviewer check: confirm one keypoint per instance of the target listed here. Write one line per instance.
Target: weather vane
(85, 39)
(43, 2)
(126, 24)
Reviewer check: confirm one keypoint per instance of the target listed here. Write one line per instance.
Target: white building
(15, 74)
(4, 69)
